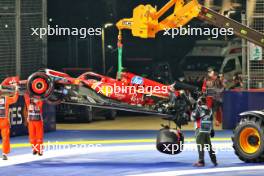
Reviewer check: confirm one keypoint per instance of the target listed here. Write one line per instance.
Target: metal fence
(20, 52)
(7, 38)
(255, 13)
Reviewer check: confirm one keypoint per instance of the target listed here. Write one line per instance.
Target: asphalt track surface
(119, 152)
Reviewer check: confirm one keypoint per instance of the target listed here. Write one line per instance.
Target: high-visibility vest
(203, 119)
(2, 107)
(34, 112)
(206, 124)
(213, 88)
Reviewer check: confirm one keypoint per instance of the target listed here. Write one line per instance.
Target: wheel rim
(249, 140)
(39, 85)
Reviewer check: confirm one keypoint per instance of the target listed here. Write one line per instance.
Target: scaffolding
(20, 52)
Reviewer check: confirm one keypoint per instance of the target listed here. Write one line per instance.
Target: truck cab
(224, 56)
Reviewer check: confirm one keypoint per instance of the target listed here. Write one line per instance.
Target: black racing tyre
(248, 140)
(88, 114)
(40, 85)
(111, 114)
(170, 141)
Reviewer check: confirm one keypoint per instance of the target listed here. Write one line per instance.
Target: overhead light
(110, 47)
(106, 25)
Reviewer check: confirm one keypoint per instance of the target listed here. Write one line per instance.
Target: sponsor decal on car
(137, 80)
(96, 85)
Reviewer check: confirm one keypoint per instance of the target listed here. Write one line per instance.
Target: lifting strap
(120, 54)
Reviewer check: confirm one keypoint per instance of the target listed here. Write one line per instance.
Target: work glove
(212, 134)
(16, 87)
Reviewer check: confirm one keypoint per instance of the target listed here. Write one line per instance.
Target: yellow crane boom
(146, 22)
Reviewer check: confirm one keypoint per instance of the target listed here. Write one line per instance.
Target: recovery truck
(248, 138)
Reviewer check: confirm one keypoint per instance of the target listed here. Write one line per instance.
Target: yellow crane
(146, 21)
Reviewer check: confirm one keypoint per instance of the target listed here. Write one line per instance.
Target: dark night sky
(86, 53)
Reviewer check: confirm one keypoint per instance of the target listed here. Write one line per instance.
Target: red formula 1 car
(129, 93)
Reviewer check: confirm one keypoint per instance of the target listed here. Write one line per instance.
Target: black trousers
(203, 141)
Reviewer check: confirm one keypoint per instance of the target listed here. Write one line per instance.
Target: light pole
(105, 26)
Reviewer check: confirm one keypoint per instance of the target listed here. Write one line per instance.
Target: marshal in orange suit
(5, 102)
(35, 123)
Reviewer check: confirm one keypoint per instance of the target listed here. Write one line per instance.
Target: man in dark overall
(202, 116)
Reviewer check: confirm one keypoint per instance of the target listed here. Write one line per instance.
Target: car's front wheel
(111, 115)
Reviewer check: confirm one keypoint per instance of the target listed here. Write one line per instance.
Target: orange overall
(5, 102)
(35, 123)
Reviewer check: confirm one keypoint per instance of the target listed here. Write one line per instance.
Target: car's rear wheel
(248, 140)
(40, 85)
(88, 114)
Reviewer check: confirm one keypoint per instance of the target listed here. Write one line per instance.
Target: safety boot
(215, 163)
(199, 164)
(5, 157)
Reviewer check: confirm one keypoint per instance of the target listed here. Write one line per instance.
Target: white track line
(26, 158)
(203, 171)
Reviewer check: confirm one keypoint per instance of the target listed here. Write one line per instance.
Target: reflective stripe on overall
(2, 107)
(34, 112)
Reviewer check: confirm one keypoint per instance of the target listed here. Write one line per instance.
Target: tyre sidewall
(50, 83)
(237, 132)
(111, 115)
